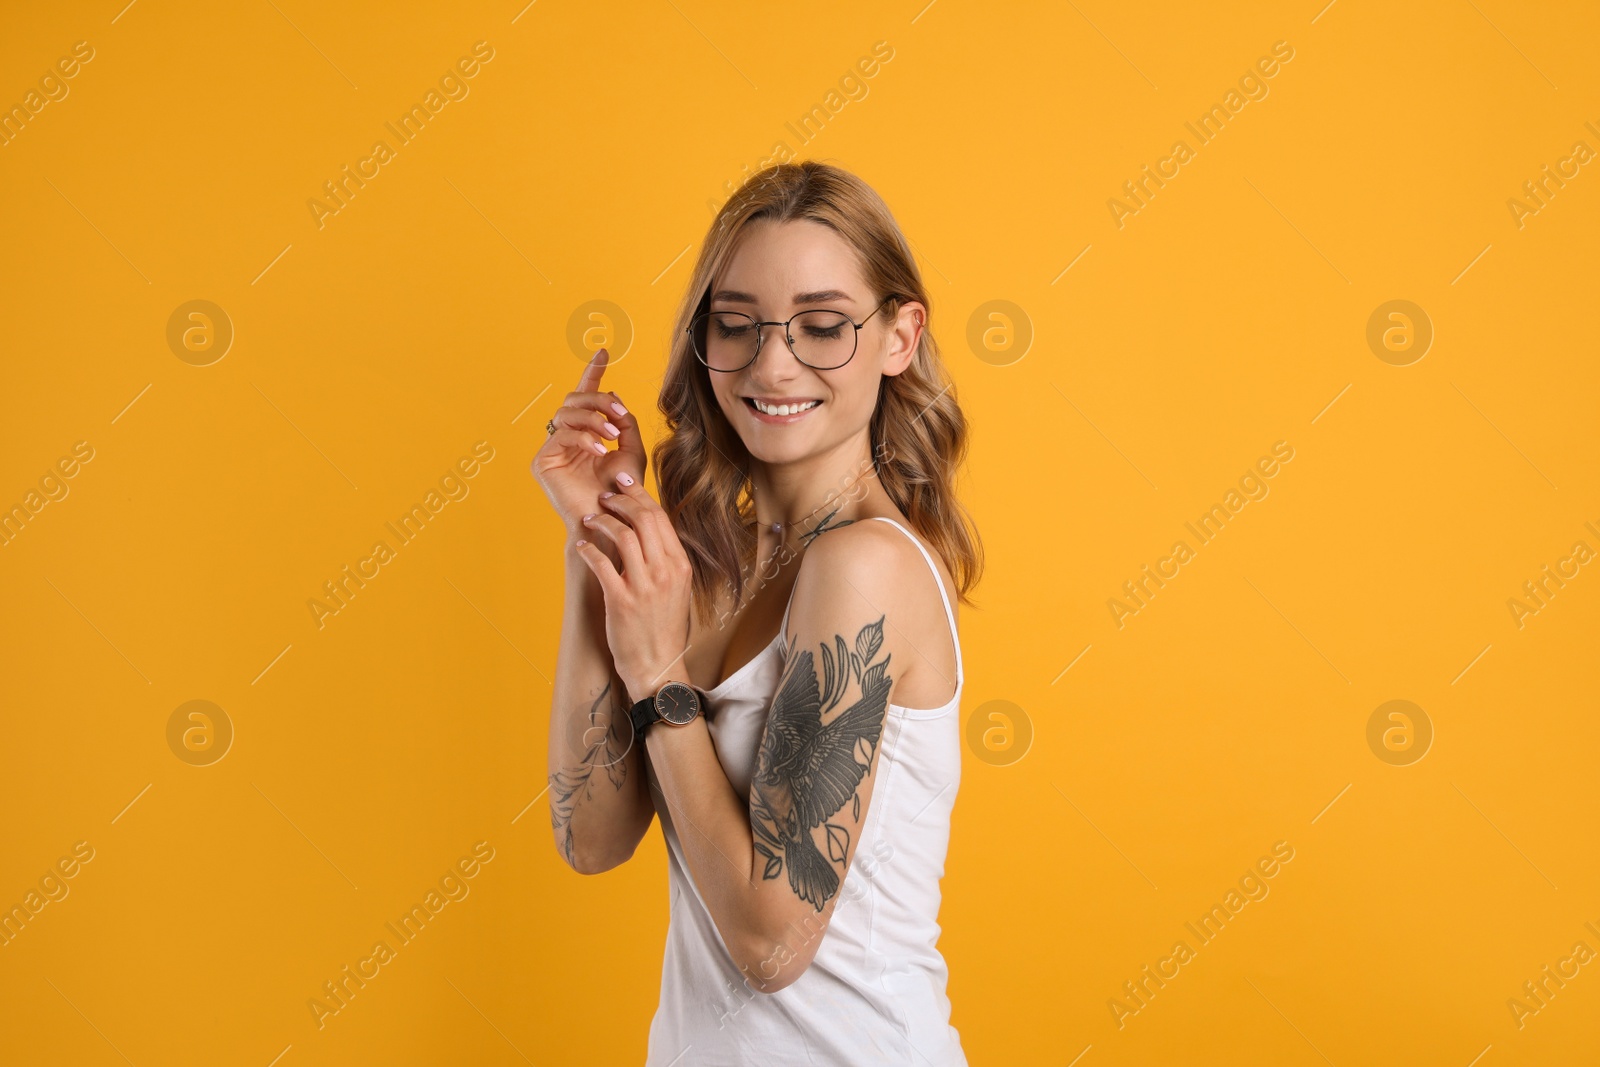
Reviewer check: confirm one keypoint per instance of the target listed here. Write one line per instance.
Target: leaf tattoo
(838, 843)
(844, 664)
(868, 642)
(825, 525)
(808, 770)
(565, 785)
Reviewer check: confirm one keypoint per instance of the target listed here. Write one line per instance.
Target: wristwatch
(674, 703)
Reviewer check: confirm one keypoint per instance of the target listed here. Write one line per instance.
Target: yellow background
(431, 312)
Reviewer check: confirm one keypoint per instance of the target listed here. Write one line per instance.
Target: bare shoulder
(873, 557)
(869, 577)
(869, 566)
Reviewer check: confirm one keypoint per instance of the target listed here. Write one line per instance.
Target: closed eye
(828, 334)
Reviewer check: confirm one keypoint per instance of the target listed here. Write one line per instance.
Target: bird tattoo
(808, 770)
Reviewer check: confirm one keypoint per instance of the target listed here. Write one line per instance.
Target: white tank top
(875, 992)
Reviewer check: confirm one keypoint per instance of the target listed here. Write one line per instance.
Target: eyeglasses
(731, 340)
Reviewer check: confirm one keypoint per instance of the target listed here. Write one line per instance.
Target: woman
(804, 770)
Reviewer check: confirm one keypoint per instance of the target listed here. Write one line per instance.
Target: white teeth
(784, 409)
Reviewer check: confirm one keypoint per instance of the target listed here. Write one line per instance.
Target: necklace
(781, 527)
(775, 527)
(823, 525)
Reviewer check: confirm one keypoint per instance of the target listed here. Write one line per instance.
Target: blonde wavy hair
(919, 435)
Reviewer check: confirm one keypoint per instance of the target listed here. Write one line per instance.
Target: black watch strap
(643, 713)
(684, 703)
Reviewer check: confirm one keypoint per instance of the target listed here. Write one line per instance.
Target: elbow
(785, 979)
(584, 863)
(772, 964)
(596, 847)
(766, 976)
(586, 859)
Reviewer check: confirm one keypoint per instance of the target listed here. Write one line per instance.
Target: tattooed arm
(600, 807)
(770, 866)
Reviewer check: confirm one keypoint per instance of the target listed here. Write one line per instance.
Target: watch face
(677, 703)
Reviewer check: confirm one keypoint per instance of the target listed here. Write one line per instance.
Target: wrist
(577, 568)
(641, 689)
(573, 558)
(669, 707)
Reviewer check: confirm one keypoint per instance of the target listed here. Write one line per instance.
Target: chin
(769, 453)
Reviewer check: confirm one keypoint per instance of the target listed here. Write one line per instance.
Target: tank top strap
(949, 615)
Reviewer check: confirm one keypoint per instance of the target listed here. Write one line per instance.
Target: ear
(904, 336)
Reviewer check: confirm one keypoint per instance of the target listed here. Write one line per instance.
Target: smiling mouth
(785, 411)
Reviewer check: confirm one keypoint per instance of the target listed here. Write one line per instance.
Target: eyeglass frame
(788, 338)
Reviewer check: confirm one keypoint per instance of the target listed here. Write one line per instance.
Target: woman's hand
(574, 467)
(647, 604)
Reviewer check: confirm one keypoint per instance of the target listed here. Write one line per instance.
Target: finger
(639, 524)
(589, 380)
(629, 439)
(640, 511)
(620, 534)
(600, 565)
(575, 441)
(586, 418)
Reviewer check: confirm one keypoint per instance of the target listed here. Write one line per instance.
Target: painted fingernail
(598, 447)
(624, 478)
(612, 430)
(586, 518)
(618, 408)
(581, 543)
(607, 493)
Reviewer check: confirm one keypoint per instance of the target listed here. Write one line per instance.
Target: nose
(775, 361)
(782, 344)
(783, 337)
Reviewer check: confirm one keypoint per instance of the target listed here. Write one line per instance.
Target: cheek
(854, 398)
(733, 409)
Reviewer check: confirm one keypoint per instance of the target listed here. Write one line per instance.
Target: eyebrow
(734, 296)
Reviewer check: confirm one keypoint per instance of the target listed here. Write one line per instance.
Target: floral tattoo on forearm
(605, 750)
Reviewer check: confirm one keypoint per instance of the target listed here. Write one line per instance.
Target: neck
(808, 497)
